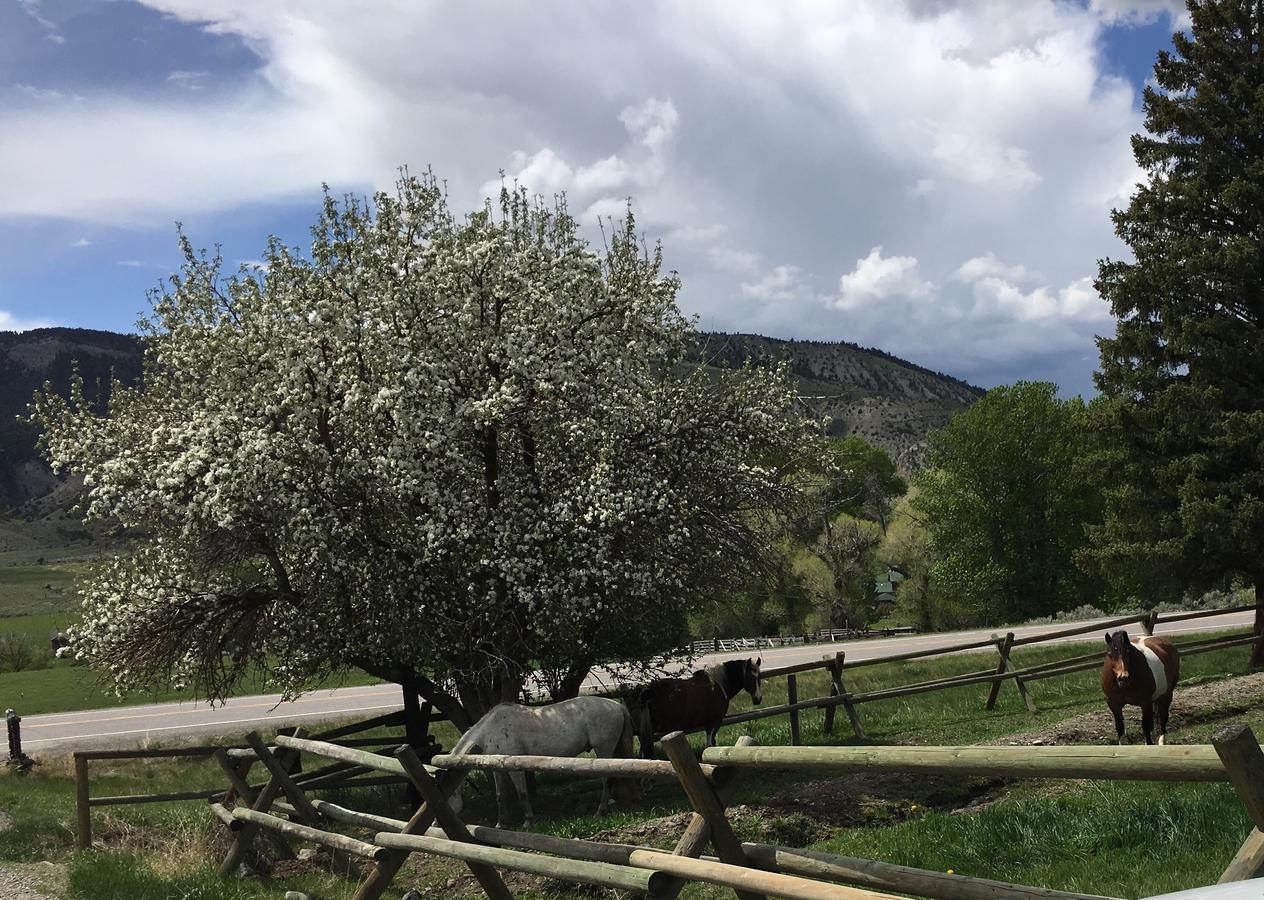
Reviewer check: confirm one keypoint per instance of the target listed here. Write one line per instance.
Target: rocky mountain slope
(888, 401)
(885, 400)
(28, 359)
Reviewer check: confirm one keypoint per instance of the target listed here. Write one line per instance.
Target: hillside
(886, 400)
(28, 359)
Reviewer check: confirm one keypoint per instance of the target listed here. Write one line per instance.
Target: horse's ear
(1108, 639)
(760, 661)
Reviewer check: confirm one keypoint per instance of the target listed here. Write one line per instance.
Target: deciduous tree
(442, 450)
(1006, 504)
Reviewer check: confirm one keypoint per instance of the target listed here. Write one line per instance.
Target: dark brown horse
(702, 700)
(1141, 671)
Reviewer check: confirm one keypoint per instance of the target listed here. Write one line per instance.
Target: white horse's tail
(625, 738)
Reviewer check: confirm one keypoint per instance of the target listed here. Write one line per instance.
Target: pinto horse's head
(752, 680)
(1118, 653)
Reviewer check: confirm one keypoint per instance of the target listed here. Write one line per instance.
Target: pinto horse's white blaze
(1156, 667)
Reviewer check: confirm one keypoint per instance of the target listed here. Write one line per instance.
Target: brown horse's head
(1118, 656)
(751, 682)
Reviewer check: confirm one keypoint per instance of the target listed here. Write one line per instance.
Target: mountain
(866, 392)
(28, 359)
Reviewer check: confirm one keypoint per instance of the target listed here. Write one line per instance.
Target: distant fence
(229, 760)
(823, 636)
(753, 870)
(837, 664)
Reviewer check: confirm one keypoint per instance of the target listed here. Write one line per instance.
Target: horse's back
(567, 728)
(679, 703)
(1168, 658)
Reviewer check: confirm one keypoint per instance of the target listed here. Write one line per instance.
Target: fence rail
(753, 870)
(837, 664)
(232, 757)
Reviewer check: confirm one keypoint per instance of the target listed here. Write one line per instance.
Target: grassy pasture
(27, 590)
(1123, 839)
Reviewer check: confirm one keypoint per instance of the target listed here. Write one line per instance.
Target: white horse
(568, 728)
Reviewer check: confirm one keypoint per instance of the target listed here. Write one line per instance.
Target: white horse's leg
(520, 782)
(502, 799)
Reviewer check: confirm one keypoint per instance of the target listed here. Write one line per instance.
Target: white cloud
(730, 259)
(988, 266)
(10, 322)
(34, 9)
(994, 125)
(1141, 11)
(877, 277)
(188, 79)
(82, 242)
(780, 285)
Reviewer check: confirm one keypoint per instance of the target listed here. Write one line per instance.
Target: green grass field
(1113, 838)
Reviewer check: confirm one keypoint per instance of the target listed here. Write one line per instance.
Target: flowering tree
(448, 452)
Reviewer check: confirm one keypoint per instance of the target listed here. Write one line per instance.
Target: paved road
(132, 726)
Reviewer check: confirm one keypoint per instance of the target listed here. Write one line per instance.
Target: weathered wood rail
(752, 870)
(837, 664)
(231, 757)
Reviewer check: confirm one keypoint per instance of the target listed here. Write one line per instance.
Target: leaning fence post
(488, 878)
(385, 869)
(697, 833)
(792, 696)
(1244, 764)
(703, 798)
(244, 839)
(1003, 646)
(838, 689)
(83, 808)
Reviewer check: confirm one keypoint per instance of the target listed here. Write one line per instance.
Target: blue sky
(930, 177)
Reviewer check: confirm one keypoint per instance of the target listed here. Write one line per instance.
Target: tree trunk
(572, 680)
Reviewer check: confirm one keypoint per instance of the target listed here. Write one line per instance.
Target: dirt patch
(1201, 704)
(16, 887)
(6, 821)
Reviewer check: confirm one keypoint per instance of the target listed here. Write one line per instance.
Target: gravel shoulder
(12, 885)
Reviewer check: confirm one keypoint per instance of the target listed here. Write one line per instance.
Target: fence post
(792, 695)
(1244, 764)
(435, 798)
(698, 832)
(243, 840)
(1257, 649)
(82, 808)
(1003, 646)
(1150, 623)
(703, 798)
(385, 869)
(838, 689)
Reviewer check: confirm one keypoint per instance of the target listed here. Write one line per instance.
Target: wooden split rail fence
(235, 762)
(994, 676)
(752, 870)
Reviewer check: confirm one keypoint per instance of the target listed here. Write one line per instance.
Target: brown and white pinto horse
(702, 700)
(1140, 671)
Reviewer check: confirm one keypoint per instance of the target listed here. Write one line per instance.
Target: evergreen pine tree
(1183, 377)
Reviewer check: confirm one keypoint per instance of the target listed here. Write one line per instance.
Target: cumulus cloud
(877, 277)
(744, 131)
